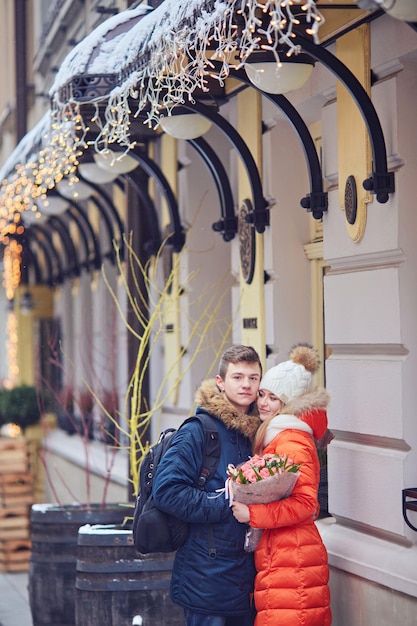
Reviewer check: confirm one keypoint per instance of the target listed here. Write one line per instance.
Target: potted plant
(20, 406)
(3, 393)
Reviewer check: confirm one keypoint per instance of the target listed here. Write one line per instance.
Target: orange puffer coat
(291, 586)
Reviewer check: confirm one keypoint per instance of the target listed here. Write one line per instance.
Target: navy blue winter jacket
(212, 574)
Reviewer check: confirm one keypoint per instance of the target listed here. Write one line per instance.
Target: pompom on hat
(292, 378)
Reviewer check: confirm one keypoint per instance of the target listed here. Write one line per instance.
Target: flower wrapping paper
(276, 487)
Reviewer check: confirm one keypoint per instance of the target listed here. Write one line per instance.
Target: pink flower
(260, 467)
(265, 473)
(261, 479)
(249, 474)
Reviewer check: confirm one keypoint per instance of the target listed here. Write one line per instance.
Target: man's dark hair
(238, 354)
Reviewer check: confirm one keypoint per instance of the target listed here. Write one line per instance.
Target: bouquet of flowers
(260, 480)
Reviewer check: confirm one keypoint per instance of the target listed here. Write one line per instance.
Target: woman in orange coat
(291, 585)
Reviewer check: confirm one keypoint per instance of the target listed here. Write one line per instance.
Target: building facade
(340, 274)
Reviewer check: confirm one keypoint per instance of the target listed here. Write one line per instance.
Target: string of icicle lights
(60, 147)
(176, 55)
(166, 57)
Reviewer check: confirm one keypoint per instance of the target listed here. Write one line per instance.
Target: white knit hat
(292, 378)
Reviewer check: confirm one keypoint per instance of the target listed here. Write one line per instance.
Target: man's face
(240, 384)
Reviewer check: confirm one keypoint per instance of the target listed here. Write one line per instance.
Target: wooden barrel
(116, 586)
(52, 566)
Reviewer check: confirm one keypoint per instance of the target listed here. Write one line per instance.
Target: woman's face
(268, 404)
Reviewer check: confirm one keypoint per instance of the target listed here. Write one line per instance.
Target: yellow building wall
(354, 151)
(42, 297)
(172, 309)
(252, 304)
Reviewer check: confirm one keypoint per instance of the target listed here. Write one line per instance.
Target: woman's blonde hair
(259, 440)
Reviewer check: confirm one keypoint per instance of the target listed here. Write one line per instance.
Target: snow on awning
(44, 156)
(117, 47)
(151, 59)
(161, 59)
(97, 55)
(28, 147)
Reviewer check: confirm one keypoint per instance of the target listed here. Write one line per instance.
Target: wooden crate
(15, 555)
(16, 495)
(14, 455)
(14, 524)
(16, 489)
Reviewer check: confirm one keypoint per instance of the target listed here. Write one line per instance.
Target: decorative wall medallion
(247, 241)
(351, 200)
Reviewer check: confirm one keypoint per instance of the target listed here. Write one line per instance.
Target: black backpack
(154, 530)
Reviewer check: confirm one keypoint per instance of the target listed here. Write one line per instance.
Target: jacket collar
(285, 422)
(311, 409)
(210, 399)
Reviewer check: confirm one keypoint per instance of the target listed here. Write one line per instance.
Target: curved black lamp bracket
(71, 215)
(71, 253)
(317, 200)
(86, 231)
(75, 211)
(49, 278)
(260, 215)
(380, 182)
(67, 216)
(153, 243)
(45, 241)
(228, 223)
(177, 239)
(39, 238)
(29, 260)
(111, 254)
(114, 214)
(93, 258)
(410, 505)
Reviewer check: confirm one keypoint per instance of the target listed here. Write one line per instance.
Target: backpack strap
(211, 459)
(211, 447)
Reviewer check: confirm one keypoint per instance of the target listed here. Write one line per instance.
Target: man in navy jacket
(213, 576)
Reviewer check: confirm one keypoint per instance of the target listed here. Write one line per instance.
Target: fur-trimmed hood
(317, 399)
(209, 398)
(311, 409)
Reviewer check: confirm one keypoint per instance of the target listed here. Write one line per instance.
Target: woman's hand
(241, 512)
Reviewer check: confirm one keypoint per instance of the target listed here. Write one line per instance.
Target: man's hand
(241, 512)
